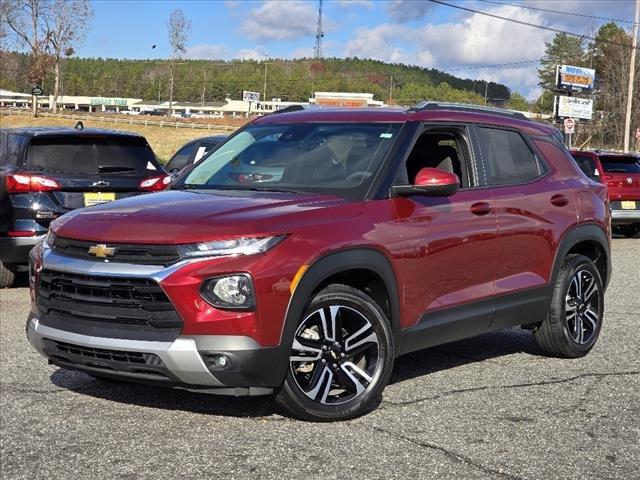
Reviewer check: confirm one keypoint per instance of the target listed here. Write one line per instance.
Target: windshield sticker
(386, 135)
(151, 166)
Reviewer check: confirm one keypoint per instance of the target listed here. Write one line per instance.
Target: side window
(588, 165)
(445, 150)
(181, 159)
(509, 158)
(11, 148)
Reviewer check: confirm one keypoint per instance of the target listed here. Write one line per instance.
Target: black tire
(7, 275)
(629, 231)
(557, 333)
(352, 306)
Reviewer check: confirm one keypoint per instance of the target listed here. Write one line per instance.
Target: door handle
(481, 208)
(559, 200)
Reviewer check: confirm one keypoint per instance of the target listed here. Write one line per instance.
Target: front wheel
(574, 320)
(341, 357)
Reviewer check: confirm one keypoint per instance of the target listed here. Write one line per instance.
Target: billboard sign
(575, 78)
(573, 107)
(250, 97)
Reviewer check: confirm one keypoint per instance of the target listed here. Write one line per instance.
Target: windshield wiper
(115, 169)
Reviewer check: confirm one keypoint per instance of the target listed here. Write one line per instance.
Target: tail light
(30, 183)
(155, 184)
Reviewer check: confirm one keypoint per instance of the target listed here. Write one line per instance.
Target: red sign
(569, 125)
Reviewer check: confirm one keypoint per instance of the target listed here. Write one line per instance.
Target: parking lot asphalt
(488, 407)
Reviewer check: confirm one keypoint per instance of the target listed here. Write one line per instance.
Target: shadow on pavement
(407, 367)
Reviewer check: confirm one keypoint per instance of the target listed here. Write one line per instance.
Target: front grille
(111, 361)
(118, 307)
(124, 253)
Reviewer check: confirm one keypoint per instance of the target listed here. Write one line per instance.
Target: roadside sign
(36, 90)
(574, 107)
(248, 96)
(575, 78)
(569, 125)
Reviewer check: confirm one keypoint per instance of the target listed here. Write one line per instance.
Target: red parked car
(370, 234)
(621, 173)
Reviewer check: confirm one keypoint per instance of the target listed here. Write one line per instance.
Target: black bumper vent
(123, 253)
(115, 307)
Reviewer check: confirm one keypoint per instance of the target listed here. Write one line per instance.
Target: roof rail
(465, 107)
(290, 108)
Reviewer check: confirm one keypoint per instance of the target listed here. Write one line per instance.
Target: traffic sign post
(250, 97)
(569, 129)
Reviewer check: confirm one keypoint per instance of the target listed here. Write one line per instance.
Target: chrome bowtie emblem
(101, 250)
(629, 180)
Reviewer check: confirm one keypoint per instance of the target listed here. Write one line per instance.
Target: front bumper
(180, 363)
(623, 217)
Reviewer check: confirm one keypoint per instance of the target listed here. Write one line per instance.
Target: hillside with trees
(293, 80)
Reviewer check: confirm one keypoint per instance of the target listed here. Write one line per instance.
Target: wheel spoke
(304, 353)
(578, 278)
(363, 336)
(591, 316)
(357, 376)
(329, 324)
(591, 289)
(579, 329)
(322, 384)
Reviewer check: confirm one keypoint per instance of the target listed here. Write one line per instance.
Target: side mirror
(431, 182)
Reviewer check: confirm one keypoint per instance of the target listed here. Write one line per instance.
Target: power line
(495, 65)
(557, 11)
(528, 24)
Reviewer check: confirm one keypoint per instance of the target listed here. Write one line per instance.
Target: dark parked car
(387, 231)
(193, 151)
(47, 171)
(620, 172)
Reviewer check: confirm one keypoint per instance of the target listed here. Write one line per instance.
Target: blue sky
(407, 31)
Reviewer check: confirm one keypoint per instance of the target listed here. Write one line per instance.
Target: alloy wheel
(582, 306)
(335, 355)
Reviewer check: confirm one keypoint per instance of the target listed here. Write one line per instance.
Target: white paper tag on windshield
(151, 166)
(386, 135)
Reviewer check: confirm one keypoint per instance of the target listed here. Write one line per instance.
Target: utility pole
(204, 84)
(632, 71)
(486, 91)
(264, 86)
(391, 89)
(319, 32)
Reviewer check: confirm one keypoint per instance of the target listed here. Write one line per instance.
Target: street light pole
(632, 71)
(264, 86)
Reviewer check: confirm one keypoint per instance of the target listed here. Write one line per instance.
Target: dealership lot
(489, 407)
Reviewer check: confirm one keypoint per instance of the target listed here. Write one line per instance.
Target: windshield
(90, 155)
(336, 159)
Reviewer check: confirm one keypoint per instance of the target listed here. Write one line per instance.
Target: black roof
(211, 138)
(45, 131)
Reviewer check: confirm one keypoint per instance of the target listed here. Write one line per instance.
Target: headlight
(238, 246)
(50, 238)
(229, 292)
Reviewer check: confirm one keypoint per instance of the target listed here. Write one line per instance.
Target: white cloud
(407, 10)
(257, 53)
(378, 43)
(355, 3)
(275, 20)
(206, 52)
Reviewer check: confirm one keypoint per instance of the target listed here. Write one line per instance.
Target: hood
(175, 217)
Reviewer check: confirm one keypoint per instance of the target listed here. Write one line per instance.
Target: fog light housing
(231, 292)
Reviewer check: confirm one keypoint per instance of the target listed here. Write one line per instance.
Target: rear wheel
(7, 275)
(629, 231)
(341, 357)
(575, 317)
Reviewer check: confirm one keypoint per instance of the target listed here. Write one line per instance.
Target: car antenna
(79, 125)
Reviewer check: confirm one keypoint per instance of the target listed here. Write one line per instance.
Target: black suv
(48, 171)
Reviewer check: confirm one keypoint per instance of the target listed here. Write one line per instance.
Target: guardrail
(131, 120)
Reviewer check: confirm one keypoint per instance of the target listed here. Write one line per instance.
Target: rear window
(620, 163)
(90, 155)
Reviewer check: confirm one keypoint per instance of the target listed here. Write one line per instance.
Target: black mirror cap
(424, 190)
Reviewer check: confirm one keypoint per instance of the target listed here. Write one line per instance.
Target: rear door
(90, 169)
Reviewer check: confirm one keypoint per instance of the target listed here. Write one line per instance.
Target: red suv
(621, 173)
(312, 248)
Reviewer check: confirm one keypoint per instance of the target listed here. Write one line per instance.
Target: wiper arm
(115, 169)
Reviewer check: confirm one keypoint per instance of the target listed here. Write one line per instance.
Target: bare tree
(179, 29)
(27, 19)
(66, 25)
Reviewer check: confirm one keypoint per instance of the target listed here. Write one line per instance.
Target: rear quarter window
(588, 165)
(90, 155)
(11, 148)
